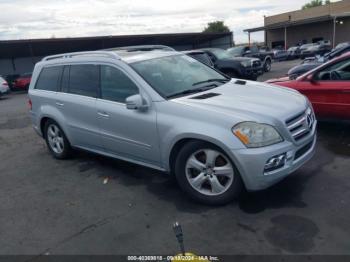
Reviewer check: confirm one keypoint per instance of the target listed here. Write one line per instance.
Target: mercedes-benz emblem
(309, 120)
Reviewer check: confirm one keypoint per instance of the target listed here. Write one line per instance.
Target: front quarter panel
(177, 121)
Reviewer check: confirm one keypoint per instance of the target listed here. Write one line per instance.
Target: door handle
(59, 104)
(103, 114)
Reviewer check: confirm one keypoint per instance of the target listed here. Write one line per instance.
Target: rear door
(127, 133)
(77, 103)
(330, 90)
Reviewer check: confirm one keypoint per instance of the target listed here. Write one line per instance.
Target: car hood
(303, 68)
(242, 59)
(250, 102)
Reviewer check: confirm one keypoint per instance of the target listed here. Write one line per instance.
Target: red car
(22, 82)
(327, 87)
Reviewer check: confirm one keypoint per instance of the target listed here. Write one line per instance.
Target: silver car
(167, 111)
(4, 87)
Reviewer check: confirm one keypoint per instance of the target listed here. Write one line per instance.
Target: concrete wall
(319, 11)
(18, 65)
(300, 33)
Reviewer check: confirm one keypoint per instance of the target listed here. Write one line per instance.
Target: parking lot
(96, 205)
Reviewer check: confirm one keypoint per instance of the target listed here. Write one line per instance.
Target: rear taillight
(30, 104)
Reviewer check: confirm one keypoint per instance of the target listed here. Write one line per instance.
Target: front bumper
(4, 91)
(252, 72)
(251, 162)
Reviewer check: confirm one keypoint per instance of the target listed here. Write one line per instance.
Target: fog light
(275, 162)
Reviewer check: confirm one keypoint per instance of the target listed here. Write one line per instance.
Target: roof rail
(87, 53)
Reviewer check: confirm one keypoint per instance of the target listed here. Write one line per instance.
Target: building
(20, 56)
(327, 22)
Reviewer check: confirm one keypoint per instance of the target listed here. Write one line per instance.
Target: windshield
(172, 75)
(236, 51)
(221, 54)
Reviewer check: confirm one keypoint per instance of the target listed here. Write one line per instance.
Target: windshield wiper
(221, 80)
(191, 91)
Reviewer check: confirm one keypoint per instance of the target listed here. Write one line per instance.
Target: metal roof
(298, 22)
(45, 47)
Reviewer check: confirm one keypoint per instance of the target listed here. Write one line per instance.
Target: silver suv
(167, 111)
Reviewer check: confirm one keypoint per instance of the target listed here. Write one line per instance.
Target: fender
(53, 113)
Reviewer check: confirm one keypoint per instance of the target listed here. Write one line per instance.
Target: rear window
(84, 80)
(48, 78)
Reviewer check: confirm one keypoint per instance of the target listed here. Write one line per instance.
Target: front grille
(301, 125)
(256, 63)
(303, 150)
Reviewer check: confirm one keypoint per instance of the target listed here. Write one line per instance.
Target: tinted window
(115, 85)
(202, 57)
(84, 80)
(337, 72)
(48, 78)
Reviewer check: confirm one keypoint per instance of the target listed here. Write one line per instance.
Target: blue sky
(23, 19)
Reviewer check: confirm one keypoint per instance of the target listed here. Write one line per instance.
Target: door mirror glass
(135, 102)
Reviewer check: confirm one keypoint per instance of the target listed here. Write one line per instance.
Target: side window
(336, 72)
(202, 57)
(49, 78)
(84, 80)
(212, 57)
(254, 49)
(115, 85)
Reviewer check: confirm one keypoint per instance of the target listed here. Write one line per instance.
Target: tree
(315, 3)
(216, 27)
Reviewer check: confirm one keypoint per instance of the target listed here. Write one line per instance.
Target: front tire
(207, 174)
(56, 140)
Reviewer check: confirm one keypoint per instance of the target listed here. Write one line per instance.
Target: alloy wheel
(55, 138)
(209, 172)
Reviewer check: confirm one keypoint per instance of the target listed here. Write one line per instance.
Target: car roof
(138, 56)
(124, 55)
(142, 48)
(196, 51)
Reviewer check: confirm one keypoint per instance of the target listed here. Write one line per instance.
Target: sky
(24, 19)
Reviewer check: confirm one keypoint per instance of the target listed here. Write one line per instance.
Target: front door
(329, 92)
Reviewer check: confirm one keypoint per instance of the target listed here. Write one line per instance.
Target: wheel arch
(179, 143)
(55, 115)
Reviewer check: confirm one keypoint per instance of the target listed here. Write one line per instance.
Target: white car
(4, 87)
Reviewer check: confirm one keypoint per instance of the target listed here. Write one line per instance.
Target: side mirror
(136, 102)
(310, 78)
(248, 52)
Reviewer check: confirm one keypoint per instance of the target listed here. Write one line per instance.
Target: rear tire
(267, 65)
(56, 140)
(207, 174)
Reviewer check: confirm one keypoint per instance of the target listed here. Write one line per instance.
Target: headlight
(254, 134)
(246, 63)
